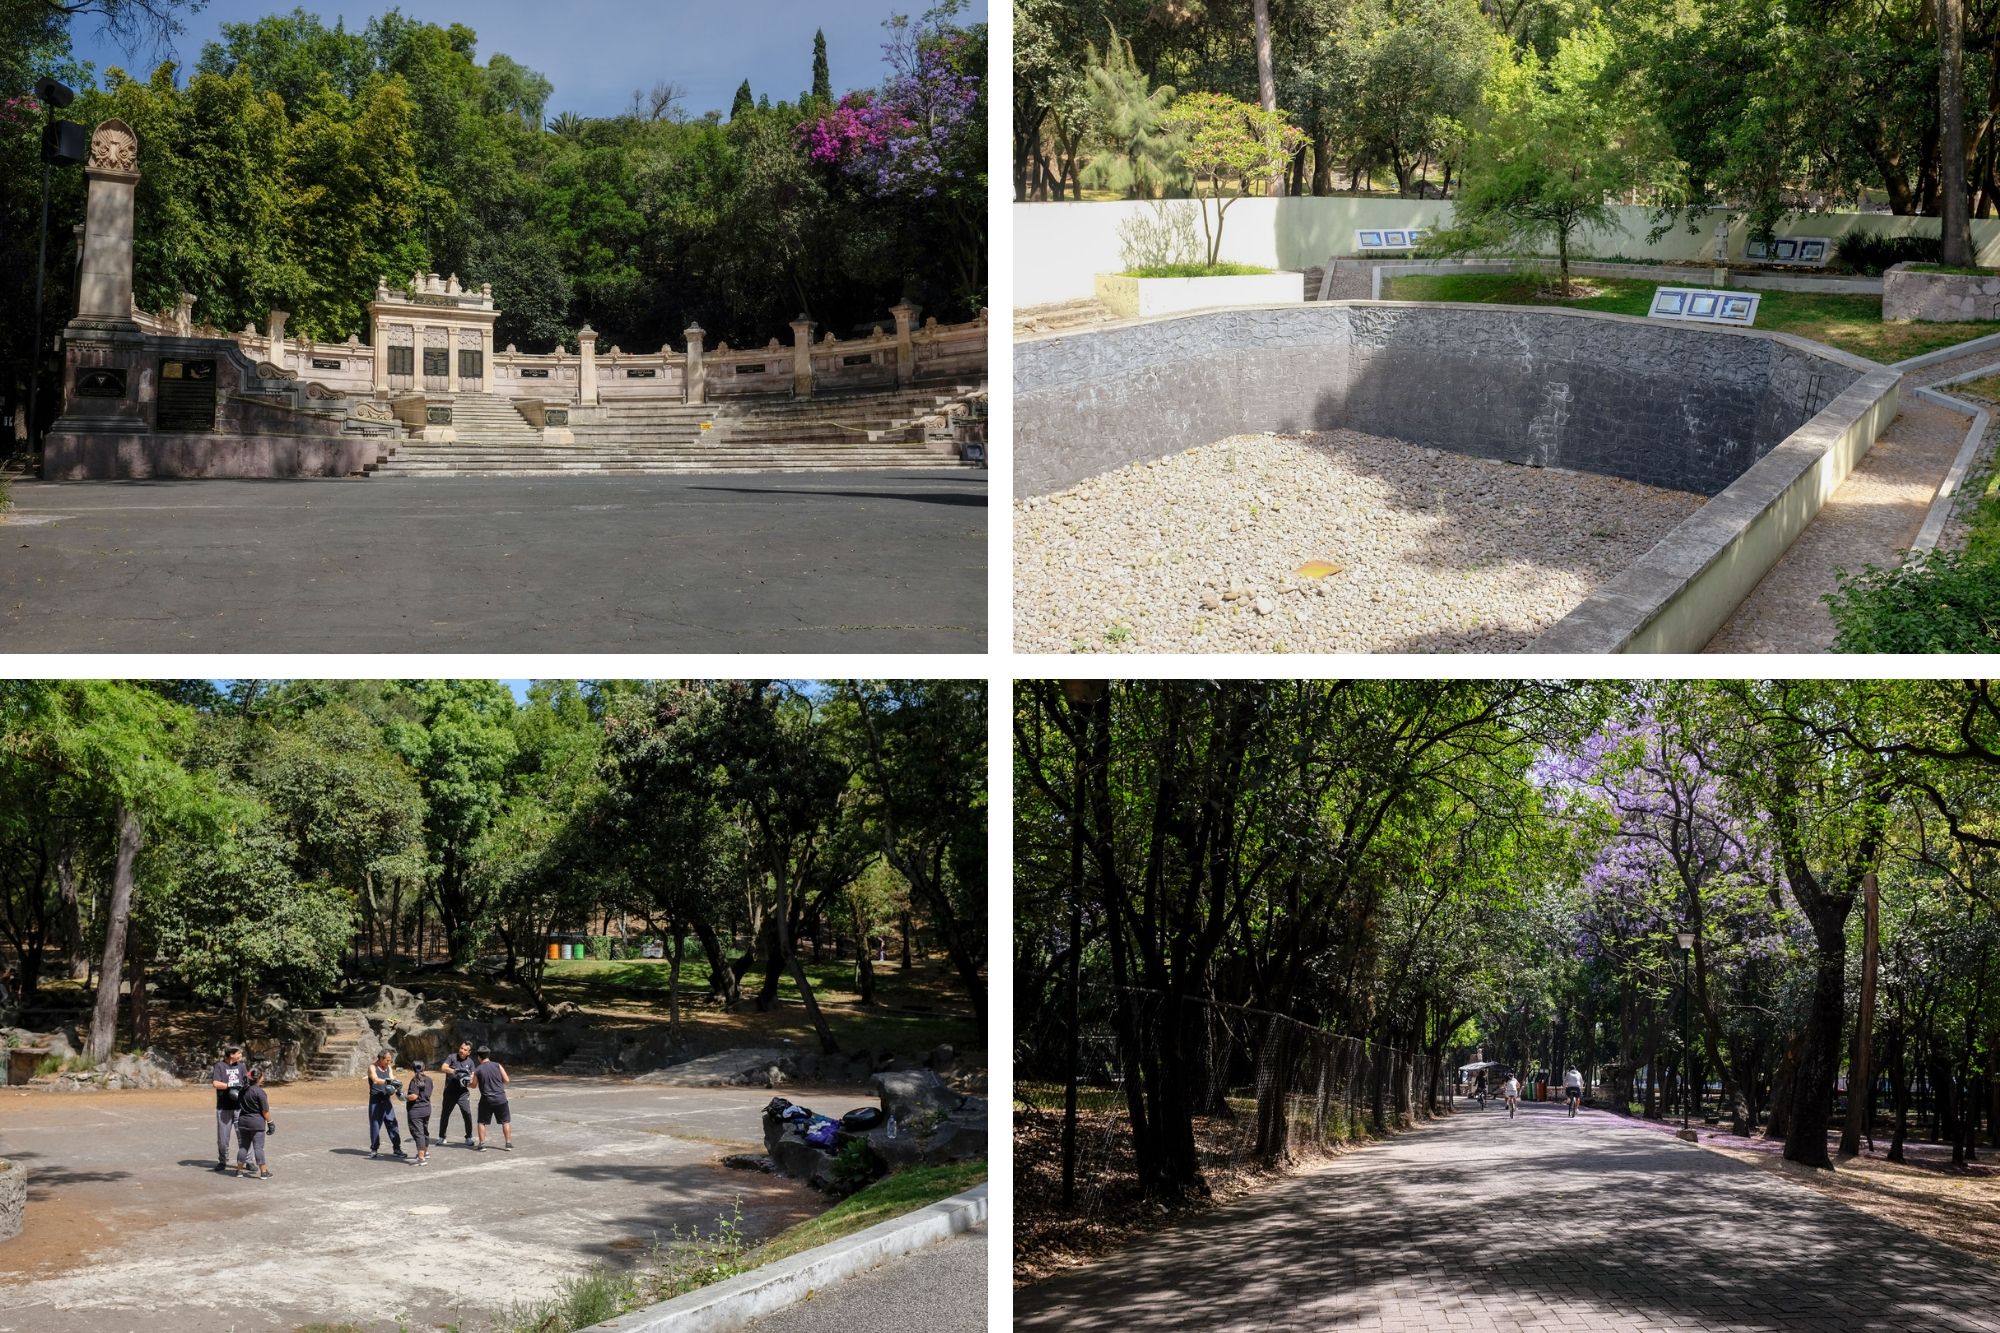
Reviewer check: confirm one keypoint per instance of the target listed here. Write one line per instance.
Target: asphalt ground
(764, 562)
(1541, 1224)
(129, 1228)
(938, 1289)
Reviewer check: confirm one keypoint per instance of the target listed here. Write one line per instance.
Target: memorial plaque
(402, 360)
(641, 374)
(437, 361)
(538, 374)
(755, 368)
(555, 416)
(471, 363)
(187, 395)
(437, 416)
(101, 382)
(856, 360)
(325, 363)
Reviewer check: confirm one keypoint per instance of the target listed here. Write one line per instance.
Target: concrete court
(938, 1289)
(130, 1230)
(765, 562)
(1477, 1223)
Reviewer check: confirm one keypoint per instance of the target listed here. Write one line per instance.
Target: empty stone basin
(1766, 423)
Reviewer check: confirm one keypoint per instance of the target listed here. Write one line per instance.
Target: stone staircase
(830, 433)
(350, 1044)
(597, 1055)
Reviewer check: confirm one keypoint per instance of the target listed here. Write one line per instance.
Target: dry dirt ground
(129, 1228)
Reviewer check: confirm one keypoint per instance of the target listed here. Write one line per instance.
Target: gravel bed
(1431, 551)
(1958, 365)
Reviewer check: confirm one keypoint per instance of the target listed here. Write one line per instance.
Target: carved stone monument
(138, 404)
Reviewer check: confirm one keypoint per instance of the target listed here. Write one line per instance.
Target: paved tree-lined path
(1542, 1223)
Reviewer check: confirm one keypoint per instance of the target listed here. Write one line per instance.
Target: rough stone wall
(1666, 405)
(1909, 293)
(13, 1198)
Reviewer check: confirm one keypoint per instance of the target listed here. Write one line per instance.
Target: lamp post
(63, 144)
(1685, 938)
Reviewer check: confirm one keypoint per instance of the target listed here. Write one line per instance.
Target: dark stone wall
(94, 457)
(1668, 405)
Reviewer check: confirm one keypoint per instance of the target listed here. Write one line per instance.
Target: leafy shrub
(1223, 270)
(1869, 253)
(599, 947)
(1945, 602)
(855, 1168)
(1163, 240)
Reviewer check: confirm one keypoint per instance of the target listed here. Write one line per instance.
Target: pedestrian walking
(419, 1099)
(253, 1122)
(492, 1080)
(458, 1068)
(382, 1090)
(228, 1077)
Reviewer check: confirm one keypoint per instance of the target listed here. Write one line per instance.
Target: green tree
(743, 103)
(1555, 145)
(1230, 148)
(822, 84)
(1129, 117)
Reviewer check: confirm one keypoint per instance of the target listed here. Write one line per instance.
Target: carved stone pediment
(268, 370)
(372, 411)
(314, 389)
(113, 147)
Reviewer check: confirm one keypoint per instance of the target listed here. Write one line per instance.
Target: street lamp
(63, 144)
(1685, 938)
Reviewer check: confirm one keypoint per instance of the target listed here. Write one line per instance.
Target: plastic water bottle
(892, 1126)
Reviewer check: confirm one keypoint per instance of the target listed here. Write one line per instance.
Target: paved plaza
(767, 562)
(130, 1230)
(1542, 1223)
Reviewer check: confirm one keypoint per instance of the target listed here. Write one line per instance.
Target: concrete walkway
(938, 1289)
(1542, 1223)
(1871, 520)
(764, 562)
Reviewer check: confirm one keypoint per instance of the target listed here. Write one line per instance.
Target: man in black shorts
(458, 1068)
(492, 1081)
(228, 1076)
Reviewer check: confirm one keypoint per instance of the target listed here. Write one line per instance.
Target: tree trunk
(1267, 82)
(117, 920)
(864, 966)
(674, 983)
(75, 953)
(1955, 224)
(1861, 1077)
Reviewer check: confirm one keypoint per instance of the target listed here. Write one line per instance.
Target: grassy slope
(1852, 323)
(898, 1194)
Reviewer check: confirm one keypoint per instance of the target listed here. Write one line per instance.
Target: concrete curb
(1951, 353)
(1975, 436)
(766, 1290)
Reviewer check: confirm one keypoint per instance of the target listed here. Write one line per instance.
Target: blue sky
(596, 52)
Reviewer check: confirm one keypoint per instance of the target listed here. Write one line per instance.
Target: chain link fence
(1259, 1090)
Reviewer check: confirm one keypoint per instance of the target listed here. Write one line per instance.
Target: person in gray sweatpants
(228, 1076)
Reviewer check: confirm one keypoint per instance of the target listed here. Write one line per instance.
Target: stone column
(802, 363)
(486, 358)
(104, 281)
(184, 315)
(586, 369)
(274, 344)
(381, 340)
(451, 351)
(906, 352)
(417, 330)
(696, 388)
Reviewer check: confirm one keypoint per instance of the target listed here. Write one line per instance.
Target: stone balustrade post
(905, 312)
(184, 315)
(586, 373)
(802, 362)
(696, 387)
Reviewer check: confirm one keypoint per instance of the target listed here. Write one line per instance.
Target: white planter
(1141, 298)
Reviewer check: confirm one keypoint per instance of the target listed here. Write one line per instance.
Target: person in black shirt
(227, 1077)
(419, 1099)
(458, 1090)
(492, 1081)
(253, 1122)
(382, 1091)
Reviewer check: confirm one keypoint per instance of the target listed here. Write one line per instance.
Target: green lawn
(911, 1013)
(1852, 323)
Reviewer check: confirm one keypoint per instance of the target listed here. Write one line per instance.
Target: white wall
(1060, 248)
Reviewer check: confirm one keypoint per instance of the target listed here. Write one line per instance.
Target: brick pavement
(1476, 1223)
